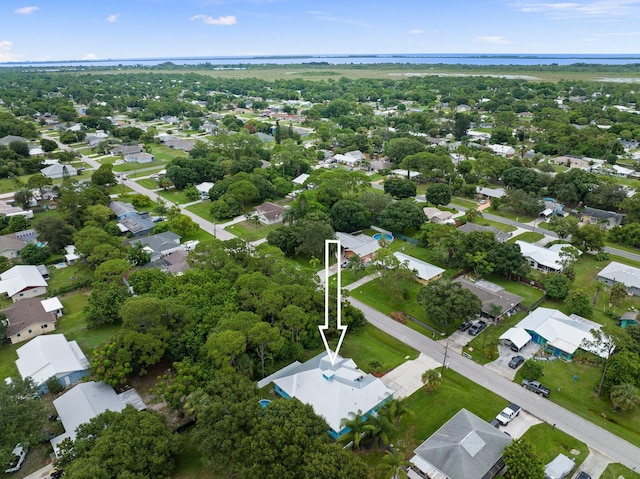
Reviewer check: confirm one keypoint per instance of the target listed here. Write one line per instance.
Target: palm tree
(624, 396)
(431, 380)
(379, 426)
(395, 409)
(395, 464)
(357, 429)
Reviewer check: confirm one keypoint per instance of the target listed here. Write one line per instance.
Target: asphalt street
(596, 437)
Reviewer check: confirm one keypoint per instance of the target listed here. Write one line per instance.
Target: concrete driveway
(501, 365)
(518, 426)
(594, 464)
(407, 378)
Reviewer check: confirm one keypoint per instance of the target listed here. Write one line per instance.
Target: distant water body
(449, 59)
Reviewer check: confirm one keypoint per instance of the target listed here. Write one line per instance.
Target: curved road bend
(596, 437)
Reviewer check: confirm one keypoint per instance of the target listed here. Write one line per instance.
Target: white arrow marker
(343, 329)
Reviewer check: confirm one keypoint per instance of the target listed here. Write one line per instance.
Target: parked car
(477, 328)
(583, 475)
(19, 453)
(508, 414)
(515, 348)
(465, 325)
(536, 387)
(515, 362)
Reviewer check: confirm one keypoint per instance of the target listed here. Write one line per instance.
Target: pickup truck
(508, 413)
(536, 387)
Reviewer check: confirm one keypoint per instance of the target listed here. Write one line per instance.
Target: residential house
(6, 140)
(87, 400)
(94, 139)
(438, 216)
(406, 174)
(180, 144)
(11, 244)
(264, 137)
(542, 259)
(29, 318)
(176, 262)
(465, 447)
(572, 162)
(616, 272)
(141, 158)
(125, 150)
(269, 213)
(630, 318)
(346, 160)
(605, 219)
(501, 236)
(57, 171)
(138, 225)
(612, 170)
(70, 256)
(299, 180)
(517, 337)
(203, 188)
(50, 356)
(21, 282)
(334, 390)
(425, 272)
(488, 193)
(559, 334)
(122, 209)
(502, 150)
(160, 244)
(496, 301)
(360, 244)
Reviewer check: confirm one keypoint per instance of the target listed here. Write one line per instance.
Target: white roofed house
(203, 188)
(362, 245)
(141, 157)
(425, 272)
(616, 272)
(335, 391)
(542, 259)
(58, 171)
(22, 281)
(438, 216)
(52, 356)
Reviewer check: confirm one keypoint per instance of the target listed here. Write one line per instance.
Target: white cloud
(495, 39)
(113, 18)
(598, 9)
(5, 51)
(224, 20)
(329, 18)
(416, 31)
(90, 56)
(25, 10)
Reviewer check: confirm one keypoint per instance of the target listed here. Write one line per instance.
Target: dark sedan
(515, 362)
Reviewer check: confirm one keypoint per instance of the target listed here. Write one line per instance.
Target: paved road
(529, 227)
(596, 437)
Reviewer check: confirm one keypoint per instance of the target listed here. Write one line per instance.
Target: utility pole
(444, 361)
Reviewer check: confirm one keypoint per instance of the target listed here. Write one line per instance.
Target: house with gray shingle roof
(616, 272)
(465, 447)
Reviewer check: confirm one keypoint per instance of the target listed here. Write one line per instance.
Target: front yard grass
(579, 397)
(617, 470)
(173, 195)
(465, 203)
(148, 183)
(250, 231)
(549, 442)
(371, 344)
(528, 236)
(530, 294)
(203, 210)
(496, 224)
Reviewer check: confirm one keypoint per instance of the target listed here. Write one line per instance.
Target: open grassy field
(148, 183)
(173, 195)
(528, 236)
(203, 210)
(250, 231)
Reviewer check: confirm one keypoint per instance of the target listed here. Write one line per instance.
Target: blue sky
(33, 30)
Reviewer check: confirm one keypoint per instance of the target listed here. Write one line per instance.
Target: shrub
(531, 370)
(54, 385)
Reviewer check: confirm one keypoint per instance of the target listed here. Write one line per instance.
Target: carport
(519, 337)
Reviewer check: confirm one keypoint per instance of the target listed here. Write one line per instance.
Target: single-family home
(269, 213)
(346, 160)
(465, 447)
(141, 157)
(542, 259)
(605, 219)
(438, 216)
(496, 301)
(180, 144)
(425, 272)
(70, 256)
(264, 137)
(630, 318)
(334, 390)
(6, 140)
(616, 272)
(22, 281)
(406, 174)
(203, 188)
(87, 400)
(125, 150)
(11, 244)
(612, 170)
(122, 209)
(50, 356)
(502, 150)
(138, 225)
(176, 262)
(572, 162)
(559, 334)
(58, 170)
(360, 244)
(29, 318)
(501, 236)
(160, 244)
(488, 193)
(300, 179)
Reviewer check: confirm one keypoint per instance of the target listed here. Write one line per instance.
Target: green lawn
(250, 231)
(164, 153)
(203, 210)
(496, 224)
(508, 214)
(549, 442)
(617, 470)
(200, 235)
(148, 183)
(124, 167)
(528, 236)
(120, 189)
(146, 172)
(8, 357)
(372, 344)
(530, 295)
(61, 278)
(173, 195)
(465, 203)
(430, 411)
(579, 397)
